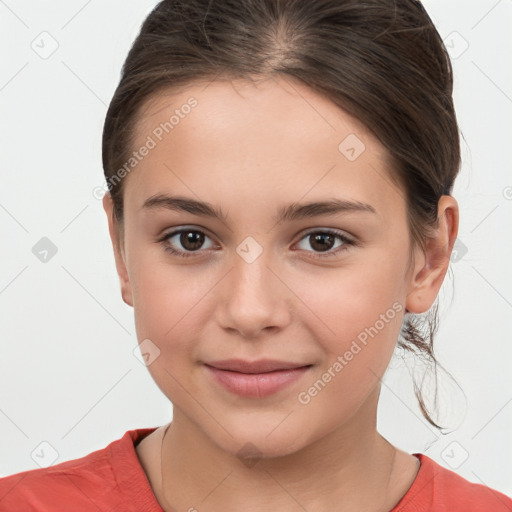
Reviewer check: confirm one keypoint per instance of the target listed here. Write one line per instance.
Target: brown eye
(190, 240)
(324, 241)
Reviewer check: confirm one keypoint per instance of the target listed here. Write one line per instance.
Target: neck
(349, 469)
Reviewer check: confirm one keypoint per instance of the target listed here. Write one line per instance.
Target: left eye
(322, 240)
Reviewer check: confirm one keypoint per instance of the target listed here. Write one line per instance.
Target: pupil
(191, 238)
(321, 238)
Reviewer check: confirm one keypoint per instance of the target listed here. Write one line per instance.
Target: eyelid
(347, 240)
(178, 229)
(332, 231)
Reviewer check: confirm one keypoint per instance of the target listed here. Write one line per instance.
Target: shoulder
(98, 479)
(438, 489)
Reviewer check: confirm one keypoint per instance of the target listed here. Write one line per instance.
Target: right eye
(190, 239)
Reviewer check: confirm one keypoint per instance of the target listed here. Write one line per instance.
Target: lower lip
(256, 385)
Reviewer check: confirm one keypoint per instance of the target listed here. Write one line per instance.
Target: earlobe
(113, 228)
(432, 264)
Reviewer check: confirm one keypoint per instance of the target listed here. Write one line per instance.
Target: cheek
(340, 303)
(171, 308)
(165, 295)
(360, 313)
(166, 310)
(355, 362)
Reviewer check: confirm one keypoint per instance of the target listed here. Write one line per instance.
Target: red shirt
(112, 479)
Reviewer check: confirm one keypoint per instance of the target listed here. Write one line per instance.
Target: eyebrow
(291, 212)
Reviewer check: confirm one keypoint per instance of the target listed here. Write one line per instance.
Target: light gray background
(68, 376)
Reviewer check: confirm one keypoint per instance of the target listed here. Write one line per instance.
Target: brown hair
(381, 61)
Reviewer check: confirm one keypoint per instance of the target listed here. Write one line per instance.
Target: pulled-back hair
(381, 61)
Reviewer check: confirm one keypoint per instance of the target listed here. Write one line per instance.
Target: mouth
(252, 367)
(256, 379)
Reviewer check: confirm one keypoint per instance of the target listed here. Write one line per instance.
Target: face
(324, 286)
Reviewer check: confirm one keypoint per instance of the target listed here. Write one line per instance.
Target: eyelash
(182, 254)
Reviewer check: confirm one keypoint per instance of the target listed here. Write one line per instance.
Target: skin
(250, 149)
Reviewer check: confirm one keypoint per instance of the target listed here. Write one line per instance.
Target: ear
(432, 264)
(115, 236)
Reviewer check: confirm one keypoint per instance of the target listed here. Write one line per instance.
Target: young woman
(279, 176)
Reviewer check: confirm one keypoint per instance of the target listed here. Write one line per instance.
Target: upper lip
(260, 366)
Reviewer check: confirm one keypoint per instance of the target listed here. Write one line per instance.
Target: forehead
(270, 106)
(268, 138)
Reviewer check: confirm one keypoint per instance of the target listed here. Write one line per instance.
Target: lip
(260, 366)
(258, 379)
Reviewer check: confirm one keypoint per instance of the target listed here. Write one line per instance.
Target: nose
(254, 298)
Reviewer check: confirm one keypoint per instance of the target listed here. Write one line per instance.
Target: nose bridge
(250, 275)
(252, 297)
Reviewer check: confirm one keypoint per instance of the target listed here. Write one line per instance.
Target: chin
(256, 441)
